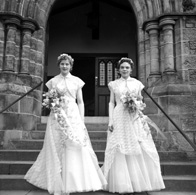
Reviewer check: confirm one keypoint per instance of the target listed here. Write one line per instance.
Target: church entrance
(96, 70)
(96, 34)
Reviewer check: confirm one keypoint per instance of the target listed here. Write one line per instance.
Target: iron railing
(21, 97)
(175, 125)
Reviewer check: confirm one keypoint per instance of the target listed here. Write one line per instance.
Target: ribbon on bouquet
(66, 128)
(139, 114)
(152, 124)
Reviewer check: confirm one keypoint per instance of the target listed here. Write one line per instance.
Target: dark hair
(65, 56)
(124, 59)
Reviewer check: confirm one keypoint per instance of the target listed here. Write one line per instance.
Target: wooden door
(105, 72)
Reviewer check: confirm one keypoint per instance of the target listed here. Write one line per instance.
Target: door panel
(105, 72)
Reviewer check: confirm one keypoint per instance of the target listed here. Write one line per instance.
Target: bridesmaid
(67, 162)
(131, 160)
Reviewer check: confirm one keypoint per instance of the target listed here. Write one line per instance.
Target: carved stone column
(16, 78)
(2, 39)
(152, 29)
(28, 28)
(11, 28)
(167, 27)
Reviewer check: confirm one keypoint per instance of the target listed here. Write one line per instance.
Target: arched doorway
(97, 34)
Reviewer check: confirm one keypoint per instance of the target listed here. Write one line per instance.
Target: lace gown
(131, 159)
(67, 162)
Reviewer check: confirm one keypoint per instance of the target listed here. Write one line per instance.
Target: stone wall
(21, 69)
(173, 87)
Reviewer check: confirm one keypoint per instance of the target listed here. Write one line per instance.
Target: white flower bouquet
(132, 102)
(52, 99)
(56, 102)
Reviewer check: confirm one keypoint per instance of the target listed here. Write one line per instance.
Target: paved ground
(91, 193)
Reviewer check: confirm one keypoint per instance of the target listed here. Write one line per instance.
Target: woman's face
(125, 70)
(65, 67)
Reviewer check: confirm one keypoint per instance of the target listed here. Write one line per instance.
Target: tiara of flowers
(66, 56)
(124, 58)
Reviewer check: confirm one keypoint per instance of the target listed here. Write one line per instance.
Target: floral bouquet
(132, 102)
(52, 99)
(57, 103)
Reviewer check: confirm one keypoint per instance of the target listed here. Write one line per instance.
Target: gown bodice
(63, 90)
(66, 85)
(121, 86)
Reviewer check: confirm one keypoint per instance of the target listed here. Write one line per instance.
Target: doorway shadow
(84, 68)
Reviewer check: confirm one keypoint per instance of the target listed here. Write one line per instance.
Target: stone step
(43, 192)
(180, 183)
(168, 168)
(97, 135)
(31, 155)
(173, 183)
(87, 119)
(38, 144)
(164, 192)
(89, 126)
(15, 182)
(94, 135)
(18, 167)
(178, 168)
(14, 167)
(30, 144)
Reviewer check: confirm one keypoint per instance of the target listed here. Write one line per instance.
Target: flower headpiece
(65, 56)
(126, 59)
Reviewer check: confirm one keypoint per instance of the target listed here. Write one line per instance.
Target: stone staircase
(178, 171)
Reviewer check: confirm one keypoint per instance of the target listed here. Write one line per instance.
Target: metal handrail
(21, 97)
(183, 134)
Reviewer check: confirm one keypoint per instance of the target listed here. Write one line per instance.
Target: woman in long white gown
(67, 162)
(131, 160)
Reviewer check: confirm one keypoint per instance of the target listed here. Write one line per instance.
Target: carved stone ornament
(188, 5)
(18, 21)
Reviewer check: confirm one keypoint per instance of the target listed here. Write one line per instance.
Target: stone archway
(39, 10)
(144, 10)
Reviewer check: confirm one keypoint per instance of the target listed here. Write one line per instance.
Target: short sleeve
(49, 84)
(141, 86)
(81, 83)
(110, 86)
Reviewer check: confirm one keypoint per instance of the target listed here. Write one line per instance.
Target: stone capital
(168, 27)
(12, 22)
(167, 21)
(152, 27)
(29, 25)
(16, 20)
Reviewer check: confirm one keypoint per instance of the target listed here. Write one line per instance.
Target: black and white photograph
(97, 97)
